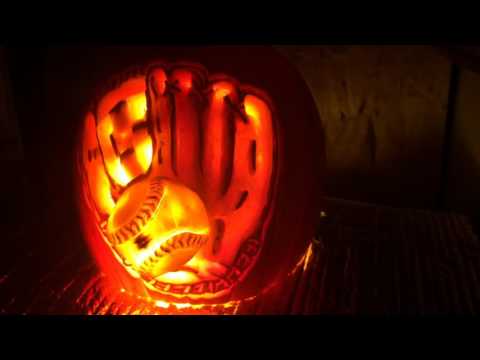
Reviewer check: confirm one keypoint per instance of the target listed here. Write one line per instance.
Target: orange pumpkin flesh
(157, 226)
(172, 211)
(217, 144)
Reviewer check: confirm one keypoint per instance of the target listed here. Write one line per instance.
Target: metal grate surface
(366, 259)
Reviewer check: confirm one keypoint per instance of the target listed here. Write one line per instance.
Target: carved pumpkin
(197, 187)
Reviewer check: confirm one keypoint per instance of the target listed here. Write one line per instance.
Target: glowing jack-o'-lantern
(182, 190)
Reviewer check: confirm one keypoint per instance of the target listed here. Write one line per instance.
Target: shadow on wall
(463, 183)
(383, 109)
(464, 170)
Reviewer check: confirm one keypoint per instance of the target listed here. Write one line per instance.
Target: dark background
(401, 127)
(400, 121)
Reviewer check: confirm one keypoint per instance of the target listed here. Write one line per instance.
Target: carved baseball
(157, 226)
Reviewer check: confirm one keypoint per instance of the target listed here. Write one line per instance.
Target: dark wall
(11, 154)
(383, 108)
(464, 170)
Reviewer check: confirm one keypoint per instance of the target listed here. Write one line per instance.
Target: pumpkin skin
(249, 152)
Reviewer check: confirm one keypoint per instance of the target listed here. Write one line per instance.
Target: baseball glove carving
(200, 187)
(179, 169)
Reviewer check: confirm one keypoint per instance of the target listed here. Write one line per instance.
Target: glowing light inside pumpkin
(178, 277)
(118, 172)
(131, 148)
(146, 305)
(137, 106)
(253, 113)
(162, 304)
(144, 152)
(106, 201)
(116, 137)
(184, 79)
(221, 90)
(177, 215)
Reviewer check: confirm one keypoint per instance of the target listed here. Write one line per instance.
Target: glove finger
(121, 129)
